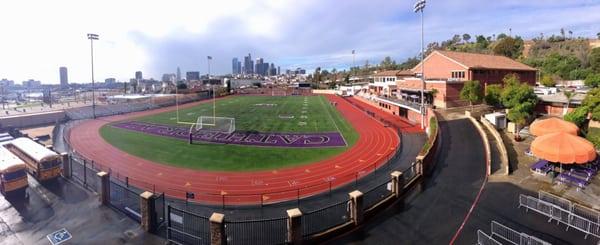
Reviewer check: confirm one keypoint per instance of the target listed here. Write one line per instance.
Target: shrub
(577, 116)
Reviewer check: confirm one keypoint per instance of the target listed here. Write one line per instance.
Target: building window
(458, 74)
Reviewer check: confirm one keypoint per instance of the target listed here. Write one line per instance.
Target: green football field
(299, 114)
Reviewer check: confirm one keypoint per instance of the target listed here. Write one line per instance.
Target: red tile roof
(393, 73)
(485, 61)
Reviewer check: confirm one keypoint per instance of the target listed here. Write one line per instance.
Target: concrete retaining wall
(499, 143)
(33, 119)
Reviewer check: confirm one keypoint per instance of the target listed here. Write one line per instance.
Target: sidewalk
(61, 204)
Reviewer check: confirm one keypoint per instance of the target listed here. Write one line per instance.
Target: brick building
(384, 82)
(446, 72)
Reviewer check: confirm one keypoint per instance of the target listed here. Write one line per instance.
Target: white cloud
(156, 36)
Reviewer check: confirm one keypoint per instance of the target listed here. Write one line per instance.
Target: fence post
(105, 187)
(356, 209)
(84, 172)
(66, 171)
(419, 165)
(147, 211)
(294, 226)
(397, 183)
(217, 229)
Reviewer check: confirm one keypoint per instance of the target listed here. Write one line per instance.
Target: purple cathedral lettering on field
(270, 139)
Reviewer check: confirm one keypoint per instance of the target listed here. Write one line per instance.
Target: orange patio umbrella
(563, 148)
(552, 125)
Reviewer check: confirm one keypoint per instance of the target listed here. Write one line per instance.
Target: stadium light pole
(93, 37)
(353, 61)
(419, 6)
(208, 59)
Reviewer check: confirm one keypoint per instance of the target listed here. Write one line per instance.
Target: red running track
(374, 147)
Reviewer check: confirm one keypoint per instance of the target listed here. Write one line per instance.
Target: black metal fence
(189, 227)
(159, 210)
(184, 227)
(264, 231)
(377, 194)
(320, 220)
(85, 173)
(125, 200)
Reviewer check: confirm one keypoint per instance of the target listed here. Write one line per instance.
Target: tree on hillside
(569, 96)
(594, 59)
(387, 63)
(560, 65)
(548, 81)
(492, 95)
(509, 47)
(593, 80)
(501, 36)
(471, 92)
(466, 37)
(598, 35)
(409, 63)
(482, 42)
(580, 74)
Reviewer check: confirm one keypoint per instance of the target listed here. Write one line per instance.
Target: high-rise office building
(64, 80)
(110, 80)
(138, 75)
(278, 70)
(7, 83)
(272, 70)
(234, 66)
(31, 83)
(168, 77)
(178, 74)
(248, 65)
(192, 76)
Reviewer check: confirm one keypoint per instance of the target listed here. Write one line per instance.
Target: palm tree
(569, 96)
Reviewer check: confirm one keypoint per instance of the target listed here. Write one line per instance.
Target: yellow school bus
(13, 175)
(42, 163)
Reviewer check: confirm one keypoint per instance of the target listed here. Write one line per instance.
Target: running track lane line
(383, 143)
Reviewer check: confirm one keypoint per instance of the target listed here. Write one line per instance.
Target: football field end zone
(284, 171)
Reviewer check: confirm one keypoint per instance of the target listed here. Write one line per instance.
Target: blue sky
(157, 36)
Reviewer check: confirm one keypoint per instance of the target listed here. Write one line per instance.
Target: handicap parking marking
(59, 236)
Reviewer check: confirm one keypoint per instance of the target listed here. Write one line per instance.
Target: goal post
(219, 124)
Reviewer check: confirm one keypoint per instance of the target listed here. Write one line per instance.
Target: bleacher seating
(102, 110)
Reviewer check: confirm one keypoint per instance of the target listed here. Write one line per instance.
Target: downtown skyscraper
(236, 66)
(248, 65)
(64, 78)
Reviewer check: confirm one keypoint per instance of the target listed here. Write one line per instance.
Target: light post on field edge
(93, 37)
(419, 6)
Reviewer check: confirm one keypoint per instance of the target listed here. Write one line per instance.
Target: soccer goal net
(220, 124)
(277, 92)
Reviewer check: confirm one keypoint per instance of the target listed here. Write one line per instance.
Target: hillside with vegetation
(558, 57)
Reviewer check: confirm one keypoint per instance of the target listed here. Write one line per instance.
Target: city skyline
(323, 36)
